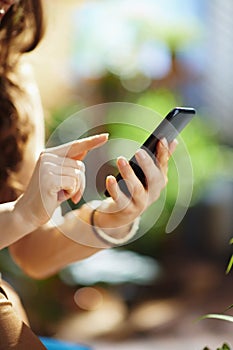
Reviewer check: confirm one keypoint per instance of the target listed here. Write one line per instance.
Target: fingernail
(76, 198)
(99, 136)
(141, 154)
(164, 142)
(105, 134)
(122, 161)
(111, 179)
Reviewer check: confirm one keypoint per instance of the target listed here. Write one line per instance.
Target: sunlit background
(157, 54)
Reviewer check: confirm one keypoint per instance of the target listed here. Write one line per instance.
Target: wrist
(112, 236)
(109, 224)
(23, 217)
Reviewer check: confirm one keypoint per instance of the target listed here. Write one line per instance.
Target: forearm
(48, 257)
(48, 249)
(13, 225)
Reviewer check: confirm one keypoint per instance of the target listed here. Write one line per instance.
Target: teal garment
(55, 344)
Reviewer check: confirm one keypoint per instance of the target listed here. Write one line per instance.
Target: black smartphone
(170, 127)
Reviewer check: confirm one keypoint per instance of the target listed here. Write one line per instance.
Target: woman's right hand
(59, 175)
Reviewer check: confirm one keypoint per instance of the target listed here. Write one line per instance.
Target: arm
(49, 249)
(57, 176)
(14, 224)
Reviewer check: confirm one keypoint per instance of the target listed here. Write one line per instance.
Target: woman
(37, 246)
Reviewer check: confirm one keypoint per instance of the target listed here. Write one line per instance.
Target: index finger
(76, 148)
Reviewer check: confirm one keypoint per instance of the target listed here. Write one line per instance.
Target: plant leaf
(229, 307)
(225, 347)
(218, 317)
(229, 267)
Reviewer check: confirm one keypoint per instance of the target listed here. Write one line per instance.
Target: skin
(121, 208)
(50, 177)
(57, 176)
(52, 250)
(39, 247)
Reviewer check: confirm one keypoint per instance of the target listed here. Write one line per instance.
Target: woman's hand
(59, 175)
(119, 210)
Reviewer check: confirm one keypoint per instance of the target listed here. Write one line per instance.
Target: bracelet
(111, 240)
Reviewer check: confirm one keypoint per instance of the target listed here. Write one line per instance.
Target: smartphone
(170, 127)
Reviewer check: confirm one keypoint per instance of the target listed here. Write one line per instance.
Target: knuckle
(163, 181)
(81, 165)
(138, 191)
(42, 155)
(78, 173)
(79, 177)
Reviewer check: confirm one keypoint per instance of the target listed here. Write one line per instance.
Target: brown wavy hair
(21, 30)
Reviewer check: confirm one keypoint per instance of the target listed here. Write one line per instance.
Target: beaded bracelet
(99, 233)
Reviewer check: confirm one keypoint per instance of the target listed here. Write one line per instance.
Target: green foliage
(230, 264)
(229, 267)
(222, 317)
(209, 159)
(161, 100)
(218, 317)
(58, 116)
(223, 347)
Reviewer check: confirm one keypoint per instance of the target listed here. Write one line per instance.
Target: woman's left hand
(119, 210)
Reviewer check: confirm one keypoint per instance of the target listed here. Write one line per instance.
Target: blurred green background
(156, 54)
